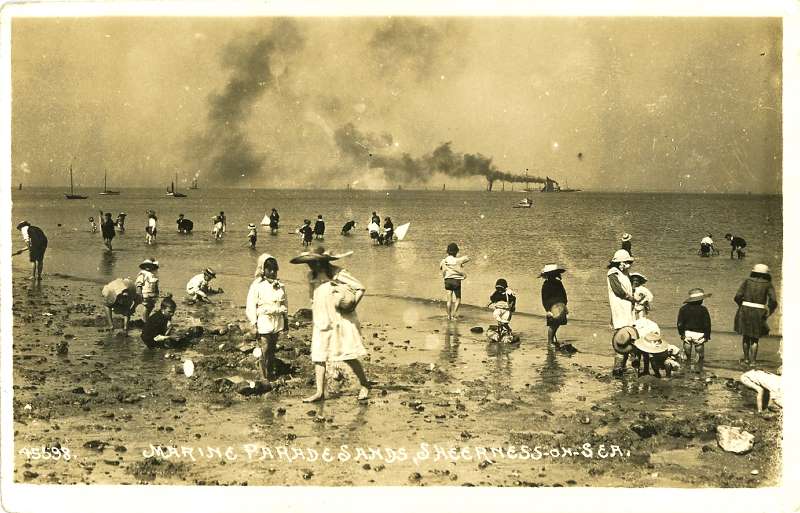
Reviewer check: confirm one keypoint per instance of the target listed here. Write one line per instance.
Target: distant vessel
(171, 192)
(524, 203)
(106, 192)
(72, 194)
(551, 185)
(194, 186)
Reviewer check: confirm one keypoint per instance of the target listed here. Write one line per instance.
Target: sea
(579, 231)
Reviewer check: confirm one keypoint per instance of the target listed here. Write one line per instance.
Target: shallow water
(577, 230)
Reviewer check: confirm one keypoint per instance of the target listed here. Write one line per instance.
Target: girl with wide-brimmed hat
(267, 309)
(554, 300)
(757, 301)
(336, 333)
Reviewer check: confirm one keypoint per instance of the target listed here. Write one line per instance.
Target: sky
(606, 104)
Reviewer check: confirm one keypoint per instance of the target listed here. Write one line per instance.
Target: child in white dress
(267, 309)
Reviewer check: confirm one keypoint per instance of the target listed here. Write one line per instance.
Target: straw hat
(149, 264)
(696, 295)
(638, 275)
(262, 259)
(760, 268)
(649, 339)
(23, 224)
(251, 226)
(551, 268)
(209, 271)
(626, 237)
(621, 255)
(318, 254)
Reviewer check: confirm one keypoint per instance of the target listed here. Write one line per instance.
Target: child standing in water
(107, 228)
(252, 235)
(504, 302)
(121, 221)
(306, 232)
(694, 326)
(554, 300)
(152, 227)
(641, 295)
(452, 267)
(147, 285)
(319, 228)
(92, 225)
(267, 309)
(217, 229)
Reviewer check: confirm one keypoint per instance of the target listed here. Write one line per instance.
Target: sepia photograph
(412, 250)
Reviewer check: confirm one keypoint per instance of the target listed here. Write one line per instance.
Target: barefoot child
(504, 302)
(267, 310)
(694, 326)
(252, 235)
(147, 286)
(554, 300)
(642, 296)
(92, 225)
(120, 298)
(452, 267)
(107, 228)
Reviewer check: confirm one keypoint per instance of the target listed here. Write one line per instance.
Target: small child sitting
(694, 326)
(642, 295)
(504, 303)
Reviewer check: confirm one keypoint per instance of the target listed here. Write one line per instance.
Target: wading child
(152, 227)
(217, 227)
(504, 303)
(319, 228)
(156, 331)
(92, 225)
(147, 286)
(554, 300)
(452, 267)
(121, 221)
(267, 309)
(252, 235)
(694, 326)
(107, 228)
(642, 296)
(306, 232)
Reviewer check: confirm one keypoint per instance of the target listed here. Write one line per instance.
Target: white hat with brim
(318, 255)
(626, 237)
(760, 268)
(149, 265)
(251, 225)
(621, 255)
(551, 268)
(696, 295)
(262, 259)
(651, 343)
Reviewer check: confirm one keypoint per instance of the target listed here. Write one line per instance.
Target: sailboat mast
(71, 190)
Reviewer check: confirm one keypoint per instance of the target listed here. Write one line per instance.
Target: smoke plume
(370, 150)
(223, 149)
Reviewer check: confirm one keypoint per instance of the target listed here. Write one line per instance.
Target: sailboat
(72, 194)
(171, 192)
(194, 186)
(106, 192)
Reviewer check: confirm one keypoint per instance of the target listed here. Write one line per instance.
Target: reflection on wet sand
(551, 376)
(107, 261)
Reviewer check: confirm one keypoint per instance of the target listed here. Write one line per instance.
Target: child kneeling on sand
(267, 309)
(156, 331)
(504, 302)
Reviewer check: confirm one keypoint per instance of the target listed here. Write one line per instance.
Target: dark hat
(209, 271)
(501, 283)
(23, 224)
(318, 254)
(150, 264)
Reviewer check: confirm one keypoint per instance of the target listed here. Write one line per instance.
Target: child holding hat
(554, 300)
(694, 326)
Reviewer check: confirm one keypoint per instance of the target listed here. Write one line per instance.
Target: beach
(443, 399)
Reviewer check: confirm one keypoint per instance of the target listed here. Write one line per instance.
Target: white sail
(401, 231)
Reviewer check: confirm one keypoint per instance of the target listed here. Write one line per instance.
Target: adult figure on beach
(336, 334)
(224, 221)
(36, 243)
(554, 300)
(120, 297)
(757, 301)
(707, 248)
(625, 243)
(267, 310)
(107, 229)
(621, 302)
(274, 219)
(152, 227)
(737, 246)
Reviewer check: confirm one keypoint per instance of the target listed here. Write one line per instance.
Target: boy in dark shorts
(452, 267)
(694, 326)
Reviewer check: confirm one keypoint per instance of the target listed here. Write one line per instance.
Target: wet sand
(442, 399)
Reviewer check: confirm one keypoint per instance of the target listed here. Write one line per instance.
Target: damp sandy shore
(447, 408)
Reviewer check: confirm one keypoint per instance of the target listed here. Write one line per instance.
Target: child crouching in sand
(267, 309)
(504, 303)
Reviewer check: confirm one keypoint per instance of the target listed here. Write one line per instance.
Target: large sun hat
(149, 264)
(318, 254)
(551, 268)
(696, 295)
(621, 255)
(761, 268)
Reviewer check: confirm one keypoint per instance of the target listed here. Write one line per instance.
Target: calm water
(577, 230)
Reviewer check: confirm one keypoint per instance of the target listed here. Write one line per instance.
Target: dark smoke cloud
(365, 149)
(223, 149)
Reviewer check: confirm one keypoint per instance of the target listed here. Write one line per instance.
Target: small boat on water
(171, 192)
(524, 203)
(106, 192)
(72, 194)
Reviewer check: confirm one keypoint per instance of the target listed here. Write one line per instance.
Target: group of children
(383, 238)
(738, 245)
(308, 234)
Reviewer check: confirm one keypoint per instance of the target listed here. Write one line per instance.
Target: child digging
(504, 302)
(694, 326)
(267, 310)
